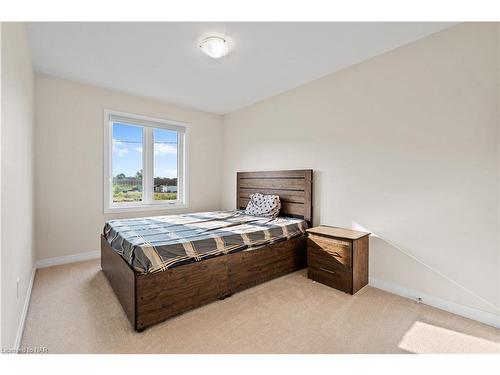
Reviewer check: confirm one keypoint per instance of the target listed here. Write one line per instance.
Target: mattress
(154, 244)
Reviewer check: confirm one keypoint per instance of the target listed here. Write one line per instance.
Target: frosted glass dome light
(214, 46)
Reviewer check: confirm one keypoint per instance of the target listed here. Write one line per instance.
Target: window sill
(145, 208)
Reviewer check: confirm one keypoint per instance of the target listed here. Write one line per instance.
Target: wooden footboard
(121, 276)
(152, 298)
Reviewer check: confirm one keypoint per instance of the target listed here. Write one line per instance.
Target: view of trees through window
(127, 163)
(165, 164)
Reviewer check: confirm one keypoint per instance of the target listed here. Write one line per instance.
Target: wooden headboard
(293, 187)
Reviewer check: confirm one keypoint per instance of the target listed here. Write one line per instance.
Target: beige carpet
(74, 310)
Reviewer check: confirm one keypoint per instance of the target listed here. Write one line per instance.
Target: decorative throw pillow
(264, 205)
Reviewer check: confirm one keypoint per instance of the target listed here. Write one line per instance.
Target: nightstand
(338, 257)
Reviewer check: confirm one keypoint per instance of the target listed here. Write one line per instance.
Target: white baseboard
(67, 259)
(27, 299)
(455, 308)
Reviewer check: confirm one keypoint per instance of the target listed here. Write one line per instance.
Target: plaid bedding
(154, 244)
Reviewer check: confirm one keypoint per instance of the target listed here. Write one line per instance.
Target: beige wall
(17, 177)
(69, 161)
(404, 145)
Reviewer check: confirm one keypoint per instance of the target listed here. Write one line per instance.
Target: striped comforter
(154, 244)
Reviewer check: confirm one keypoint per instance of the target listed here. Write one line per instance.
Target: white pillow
(264, 205)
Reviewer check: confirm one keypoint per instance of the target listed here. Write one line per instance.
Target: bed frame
(152, 298)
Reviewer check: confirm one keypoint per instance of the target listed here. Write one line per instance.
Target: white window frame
(148, 124)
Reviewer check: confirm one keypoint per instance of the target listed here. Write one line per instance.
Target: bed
(162, 266)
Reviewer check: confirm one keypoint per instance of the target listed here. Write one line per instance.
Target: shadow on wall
(433, 281)
(406, 267)
(316, 194)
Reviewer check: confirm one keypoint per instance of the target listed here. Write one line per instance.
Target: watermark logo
(26, 350)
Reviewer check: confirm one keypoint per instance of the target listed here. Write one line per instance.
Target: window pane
(165, 164)
(127, 163)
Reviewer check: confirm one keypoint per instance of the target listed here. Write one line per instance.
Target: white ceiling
(163, 61)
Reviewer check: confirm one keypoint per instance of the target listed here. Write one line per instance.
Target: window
(145, 163)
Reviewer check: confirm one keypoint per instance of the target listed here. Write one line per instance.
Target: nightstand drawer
(331, 250)
(320, 259)
(338, 279)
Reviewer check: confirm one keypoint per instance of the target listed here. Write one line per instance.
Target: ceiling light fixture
(214, 46)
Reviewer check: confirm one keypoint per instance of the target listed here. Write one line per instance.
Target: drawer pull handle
(327, 270)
